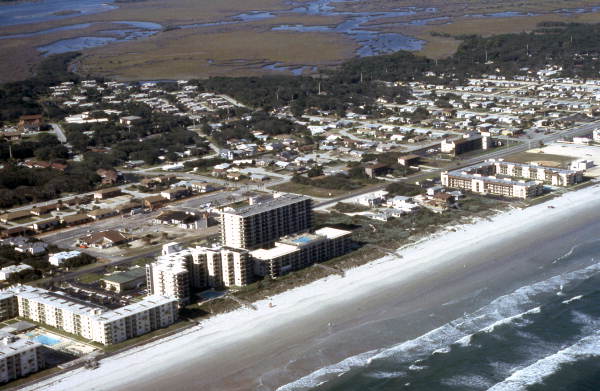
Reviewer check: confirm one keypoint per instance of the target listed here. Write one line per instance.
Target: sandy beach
(307, 328)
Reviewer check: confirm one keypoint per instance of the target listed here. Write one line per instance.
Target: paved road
(60, 134)
(573, 132)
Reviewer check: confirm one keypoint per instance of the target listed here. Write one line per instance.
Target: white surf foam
(535, 373)
(572, 299)
(503, 310)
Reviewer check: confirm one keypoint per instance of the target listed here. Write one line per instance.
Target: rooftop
(332, 233)
(90, 310)
(265, 206)
(279, 250)
(126, 276)
(11, 345)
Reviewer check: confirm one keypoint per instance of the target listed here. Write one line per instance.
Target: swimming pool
(303, 240)
(44, 339)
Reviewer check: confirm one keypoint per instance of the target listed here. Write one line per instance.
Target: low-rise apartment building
(549, 175)
(90, 321)
(508, 179)
(299, 251)
(19, 357)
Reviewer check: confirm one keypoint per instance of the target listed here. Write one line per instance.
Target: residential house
(98, 214)
(154, 202)
(175, 193)
(75, 219)
(30, 123)
(103, 239)
(107, 193)
(379, 169)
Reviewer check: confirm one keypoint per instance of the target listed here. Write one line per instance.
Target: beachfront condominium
(256, 225)
(296, 252)
(549, 175)
(177, 273)
(18, 357)
(169, 276)
(508, 179)
(91, 321)
(236, 267)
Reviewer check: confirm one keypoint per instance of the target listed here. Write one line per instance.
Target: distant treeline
(575, 47)
(23, 97)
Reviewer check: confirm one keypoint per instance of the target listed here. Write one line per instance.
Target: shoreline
(253, 343)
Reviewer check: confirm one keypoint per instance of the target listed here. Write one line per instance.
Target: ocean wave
(535, 373)
(572, 250)
(386, 375)
(572, 299)
(467, 381)
(504, 310)
(315, 379)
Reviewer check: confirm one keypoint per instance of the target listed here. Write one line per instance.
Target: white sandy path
(158, 357)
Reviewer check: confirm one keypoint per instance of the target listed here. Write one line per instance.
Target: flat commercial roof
(127, 276)
(274, 203)
(279, 250)
(88, 309)
(332, 233)
(146, 303)
(10, 345)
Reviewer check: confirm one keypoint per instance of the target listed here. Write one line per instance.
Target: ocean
(542, 336)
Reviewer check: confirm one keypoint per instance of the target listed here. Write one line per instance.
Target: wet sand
(375, 306)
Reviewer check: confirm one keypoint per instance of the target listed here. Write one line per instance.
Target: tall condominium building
(299, 251)
(169, 276)
(18, 357)
(262, 224)
(224, 266)
(91, 321)
(177, 273)
(236, 267)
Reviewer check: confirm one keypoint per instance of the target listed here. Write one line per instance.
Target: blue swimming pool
(303, 239)
(44, 339)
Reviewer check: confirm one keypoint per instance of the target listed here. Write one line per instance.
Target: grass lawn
(90, 278)
(543, 158)
(290, 187)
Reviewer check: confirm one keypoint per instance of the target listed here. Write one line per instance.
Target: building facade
(508, 179)
(299, 251)
(169, 276)
(19, 357)
(262, 224)
(178, 273)
(91, 321)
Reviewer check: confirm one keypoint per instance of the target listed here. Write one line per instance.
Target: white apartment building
(18, 357)
(261, 224)
(299, 251)
(8, 271)
(550, 175)
(236, 267)
(169, 275)
(90, 321)
(59, 258)
(176, 274)
(508, 179)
